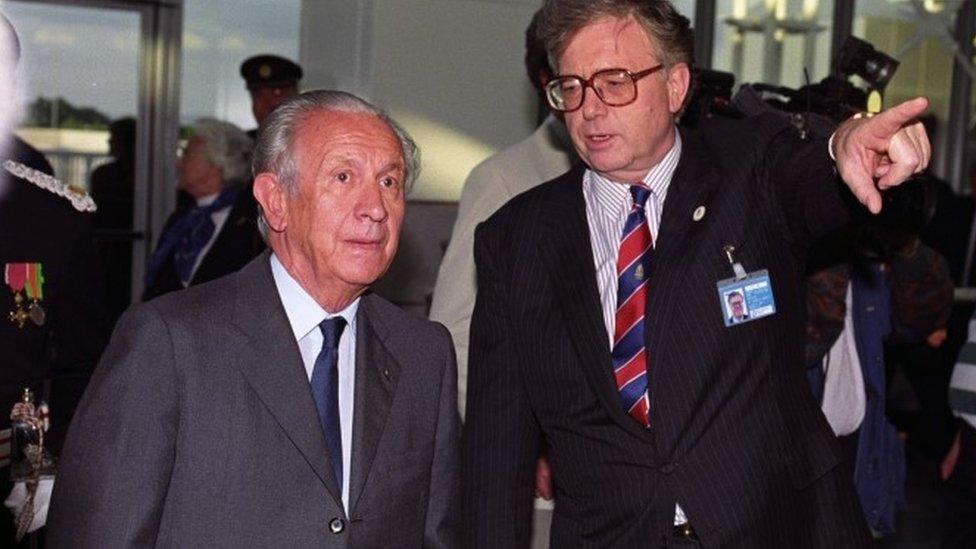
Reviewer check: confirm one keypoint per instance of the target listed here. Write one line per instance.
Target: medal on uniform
(26, 278)
(15, 275)
(35, 293)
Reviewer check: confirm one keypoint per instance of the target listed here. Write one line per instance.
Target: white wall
(451, 71)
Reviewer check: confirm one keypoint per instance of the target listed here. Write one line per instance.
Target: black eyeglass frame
(588, 83)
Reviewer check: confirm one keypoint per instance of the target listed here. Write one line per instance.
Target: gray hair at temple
(226, 146)
(274, 153)
(670, 32)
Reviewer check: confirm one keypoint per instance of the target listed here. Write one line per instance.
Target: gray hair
(670, 32)
(225, 146)
(274, 153)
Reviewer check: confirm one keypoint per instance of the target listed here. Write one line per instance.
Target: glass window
(773, 41)
(925, 62)
(217, 37)
(71, 93)
(686, 8)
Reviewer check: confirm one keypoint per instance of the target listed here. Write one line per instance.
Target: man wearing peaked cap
(270, 79)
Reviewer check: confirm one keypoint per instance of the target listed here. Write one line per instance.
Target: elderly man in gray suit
(282, 405)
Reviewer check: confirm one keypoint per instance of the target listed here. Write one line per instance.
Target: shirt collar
(304, 313)
(657, 179)
(207, 200)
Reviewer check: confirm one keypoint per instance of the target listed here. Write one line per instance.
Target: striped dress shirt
(607, 205)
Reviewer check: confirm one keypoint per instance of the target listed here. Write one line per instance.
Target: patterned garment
(962, 387)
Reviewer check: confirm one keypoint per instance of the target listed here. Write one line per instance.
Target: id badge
(746, 296)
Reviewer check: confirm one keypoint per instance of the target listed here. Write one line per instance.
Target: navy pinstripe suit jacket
(736, 437)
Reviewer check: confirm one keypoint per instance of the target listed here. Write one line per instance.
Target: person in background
(540, 157)
(112, 188)
(870, 286)
(52, 325)
(958, 468)
(218, 234)
(270, 80)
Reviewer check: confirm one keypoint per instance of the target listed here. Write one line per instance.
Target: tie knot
(331, 329)
(640, 194)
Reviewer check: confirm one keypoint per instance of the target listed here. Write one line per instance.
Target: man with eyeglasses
(737, 308)
(598, 328)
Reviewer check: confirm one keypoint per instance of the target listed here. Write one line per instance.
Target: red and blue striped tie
(629, 353)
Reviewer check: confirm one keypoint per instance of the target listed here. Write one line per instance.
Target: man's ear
(270, 194)
(679, 79)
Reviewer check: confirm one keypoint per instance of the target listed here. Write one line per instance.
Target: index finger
(889, 121)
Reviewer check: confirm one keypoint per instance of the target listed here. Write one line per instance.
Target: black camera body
(816, 110)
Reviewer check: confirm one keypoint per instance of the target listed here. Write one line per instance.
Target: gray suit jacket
(199, 429)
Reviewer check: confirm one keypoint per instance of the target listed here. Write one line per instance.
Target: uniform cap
(270, 71)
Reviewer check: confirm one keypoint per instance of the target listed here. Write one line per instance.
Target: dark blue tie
(325, 389)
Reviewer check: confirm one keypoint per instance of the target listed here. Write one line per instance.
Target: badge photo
(746, 299)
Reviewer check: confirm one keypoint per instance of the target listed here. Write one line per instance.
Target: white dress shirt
(608, 203)
(305, 315)
(218, 217)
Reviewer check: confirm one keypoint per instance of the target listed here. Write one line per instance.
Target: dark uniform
(237, 243)
(113, 187)
(270, 79)
(54, 359)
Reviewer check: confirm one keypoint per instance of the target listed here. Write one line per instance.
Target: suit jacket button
(667, 468)
(337, 525)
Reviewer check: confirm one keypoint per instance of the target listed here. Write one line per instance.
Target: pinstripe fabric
(735, 434)
(607, 206)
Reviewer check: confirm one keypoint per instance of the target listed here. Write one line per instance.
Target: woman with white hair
(217, 234)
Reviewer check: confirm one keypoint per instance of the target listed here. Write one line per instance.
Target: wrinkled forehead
(350, 134)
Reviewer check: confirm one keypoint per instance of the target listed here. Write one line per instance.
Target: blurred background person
(270, 80)
(542, 156)
(112, 187)
(217, 234)
(958, 469)
(52, 329)
(871, 284)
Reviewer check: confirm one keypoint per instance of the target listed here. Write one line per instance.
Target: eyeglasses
(615, 87)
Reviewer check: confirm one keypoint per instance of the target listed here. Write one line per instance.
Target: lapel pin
(699, 213)
(386, 373)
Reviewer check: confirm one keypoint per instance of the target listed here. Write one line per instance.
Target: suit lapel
(694, 180)
(693, 185)
(272, 365)
(377, 373)
(568, 255)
